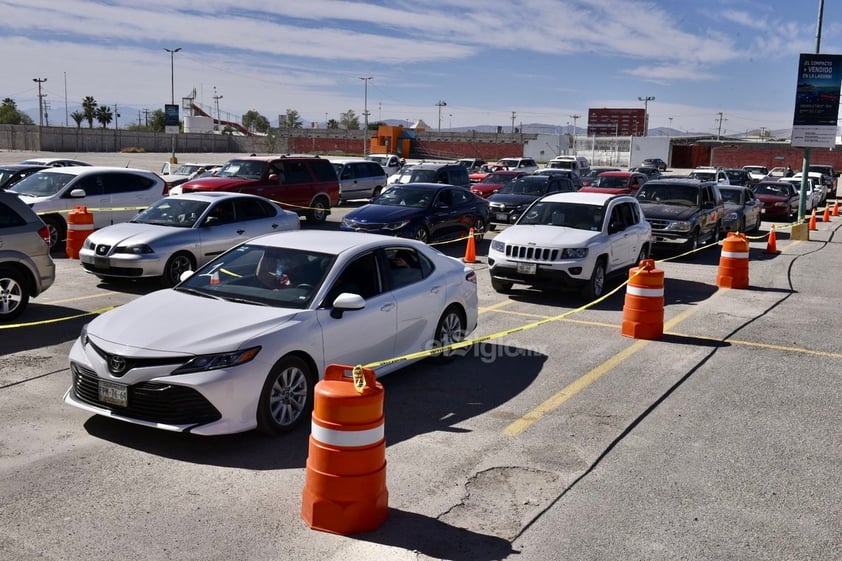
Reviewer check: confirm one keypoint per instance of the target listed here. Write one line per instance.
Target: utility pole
(719, 127)
(116, 116)
(216, 99)
(513, 121)
(365, 114)
(40, 101)
(646, 101)
(574, 117)
(440, 104)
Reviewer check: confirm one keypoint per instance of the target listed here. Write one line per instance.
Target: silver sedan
(178, 234)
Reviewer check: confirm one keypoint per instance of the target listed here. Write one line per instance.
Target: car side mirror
(78, 193)
(346, 301)
(615, 227)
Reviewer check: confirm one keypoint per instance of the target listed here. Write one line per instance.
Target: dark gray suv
(683, 213)
(26, 268)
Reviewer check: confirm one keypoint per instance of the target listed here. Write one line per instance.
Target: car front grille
(364, 225)
(500, 207)
(148, 401)
(531, 252)
(658, 224)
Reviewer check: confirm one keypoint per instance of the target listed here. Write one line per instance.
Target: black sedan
(423, 211)
(11, 174)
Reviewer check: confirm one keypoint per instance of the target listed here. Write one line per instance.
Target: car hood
(126, 233)
(560, 236)
(671, 212)
(215, 184)
(382, 213)
(169, 321)
(511, 199)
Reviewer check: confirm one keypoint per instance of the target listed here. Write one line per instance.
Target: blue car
(423, 211)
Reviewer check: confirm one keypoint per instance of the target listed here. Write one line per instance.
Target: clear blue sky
(544, 60)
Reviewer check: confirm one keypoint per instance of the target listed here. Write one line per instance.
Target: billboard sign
(817, 101)
(617, 121)
(171, 118)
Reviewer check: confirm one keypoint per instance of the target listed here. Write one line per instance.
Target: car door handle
(435, 289)
(387, 307)
(240, 231)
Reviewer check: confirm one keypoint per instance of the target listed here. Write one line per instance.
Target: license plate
(762, 211)
(109, 392)
(502, 216)
(527, 268)
(101, 262)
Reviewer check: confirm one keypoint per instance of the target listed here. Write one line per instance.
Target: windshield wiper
(197, 292)
(246, 301)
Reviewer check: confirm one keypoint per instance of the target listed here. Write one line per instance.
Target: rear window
(323, 170)
(9, 218)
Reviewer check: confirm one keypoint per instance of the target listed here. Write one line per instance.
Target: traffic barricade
(733, 262)
(80, 225)
(643, 310)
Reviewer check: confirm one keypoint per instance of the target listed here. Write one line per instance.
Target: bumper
(558, 276)
(122, 265)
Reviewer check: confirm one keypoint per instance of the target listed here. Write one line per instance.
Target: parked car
(11, 174)
(358, 179)
(822, 185)
(742, 209)
(650, 172)
(450, 174)
(738, 176)
(507, 204)
(561, 172)
(593, 172)
(683, 213)
(423, 211)
(495, 181)
(401, 176)
(176, 174)
(656, 163)
(54, 162)
(570, 241)
(178, 234)
(519, 164)
(486, 169)
(305, 184)
(111, 195)
(757, 173)
(777, 173)
(830, 172)
(780, 199)
(471, 164)
(706, 173)
(617, 183)
(391, 163)
(237, 345)
(578, 164)
(26, 268)
(813, 194)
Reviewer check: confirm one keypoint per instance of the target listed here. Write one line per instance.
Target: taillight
(471, 277)
(44, 232)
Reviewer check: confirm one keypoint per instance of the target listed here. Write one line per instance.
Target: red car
(493, 182)
(616, 183)
(484, 170)
(779, 198)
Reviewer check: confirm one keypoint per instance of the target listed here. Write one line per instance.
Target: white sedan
(241, 343)
(178, 234)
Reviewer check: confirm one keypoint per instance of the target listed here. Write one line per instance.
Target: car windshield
(497, 178)
(756, 169)
(264, 276)
(525, 187)
(173, 211)
(731, 196)
(568, 215)
(382, 160)
(776, 190)
(405, 196)
(612, 181)
(419, 176)
(684, 195)
(42, 184)
(245, 169)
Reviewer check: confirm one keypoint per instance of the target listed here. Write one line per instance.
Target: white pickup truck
(391, 163)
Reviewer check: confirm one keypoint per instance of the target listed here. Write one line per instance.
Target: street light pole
(173, 159)
(574, 117)
(440, 104)
(216, 99)
(40, 101)
(646, 101)
(365, 79)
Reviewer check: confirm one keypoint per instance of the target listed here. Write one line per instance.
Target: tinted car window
(9, 217)
(124, 183)
(252, 209)
(93, 185)
(322, 170)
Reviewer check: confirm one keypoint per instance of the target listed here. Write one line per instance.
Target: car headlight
(395, 225)
(133, 249)
(574, 253)
(680, 226)
(781, 203)
(203, 363)
(498, 245)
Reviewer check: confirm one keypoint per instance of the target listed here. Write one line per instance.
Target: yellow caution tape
(56, 320)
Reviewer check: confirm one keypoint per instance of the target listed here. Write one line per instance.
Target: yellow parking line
(495, 307)
(66, 300)
(583, 382)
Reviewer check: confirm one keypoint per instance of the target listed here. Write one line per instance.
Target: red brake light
(44, 232)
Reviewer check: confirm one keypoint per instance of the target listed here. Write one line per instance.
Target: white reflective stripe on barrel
(80, 226)
(735, 254)
(347, 438)
(647, 292)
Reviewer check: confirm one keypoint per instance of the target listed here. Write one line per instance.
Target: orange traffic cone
(835, 208)
(813, 221)
(826, 215)
(471, 250)
(772, 244)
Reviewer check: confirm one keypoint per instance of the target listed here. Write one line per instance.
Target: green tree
(333, 124)
(292, 120)
(89, 105)
(349, 120)
(10, 115)
(78, 117)
(103, 115)
(253, 120)
(157, 120)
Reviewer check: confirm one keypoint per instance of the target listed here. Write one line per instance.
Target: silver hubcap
(451, 331)
(11, 295)
(288, 396)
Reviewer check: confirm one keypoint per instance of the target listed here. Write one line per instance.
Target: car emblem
(116, 364)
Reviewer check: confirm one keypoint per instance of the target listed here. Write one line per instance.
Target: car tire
(318, 211)
(14, 294)
(58, 230)
(501, 286)
(422, 234)
(644, 254)
(178, 263)
(595, 287)
(450, 329)
(742, 226)
(287, 396)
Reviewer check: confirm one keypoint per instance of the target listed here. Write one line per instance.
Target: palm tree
(89, 107)
(103, 115)
(78, 117)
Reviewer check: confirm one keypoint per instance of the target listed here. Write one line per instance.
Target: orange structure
(643, 311)
(733, 262)
(772, 243)
(80, 225)
(471, 249)
(813, 221)
(826, 215)
(345, 486)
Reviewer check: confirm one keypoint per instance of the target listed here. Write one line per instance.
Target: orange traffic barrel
(345, 482)
(733, 262)
(643, 310)
(80, 225)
